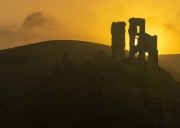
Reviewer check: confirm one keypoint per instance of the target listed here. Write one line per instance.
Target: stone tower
(118, 40)
(133, 32)
(144, 43)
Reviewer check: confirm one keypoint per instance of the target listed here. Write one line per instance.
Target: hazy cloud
(152, 20)
(36, 27)
(171, 27)
(178, 15)
(12, 27)
(88, 15)
(42, 21)
(16, 37)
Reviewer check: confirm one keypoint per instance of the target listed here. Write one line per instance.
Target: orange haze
(24, 21)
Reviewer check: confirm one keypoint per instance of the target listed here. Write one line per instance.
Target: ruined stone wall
(133, 32)
(145, 42)
(150, 45)
(118, 40)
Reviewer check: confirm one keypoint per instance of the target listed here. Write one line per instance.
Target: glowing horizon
(24, 22)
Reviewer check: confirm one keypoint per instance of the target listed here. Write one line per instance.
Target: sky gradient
(24, 22)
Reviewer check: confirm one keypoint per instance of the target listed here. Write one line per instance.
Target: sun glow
(136, 40)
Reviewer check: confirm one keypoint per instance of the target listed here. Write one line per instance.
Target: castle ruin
(118, 40)
(139, 42)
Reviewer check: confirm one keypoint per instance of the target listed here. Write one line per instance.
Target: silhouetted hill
(52, 51)
(175, 75)
(23, 68)
(171, 64)
(27, 92)
(27, 66)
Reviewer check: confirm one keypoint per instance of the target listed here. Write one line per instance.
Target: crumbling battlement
(139, 41)
(118, 40)
(134, 33)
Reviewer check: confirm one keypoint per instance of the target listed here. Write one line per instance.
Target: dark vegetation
(66, 101)
(31, 97)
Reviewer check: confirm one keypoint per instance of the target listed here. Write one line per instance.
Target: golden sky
(29, 21)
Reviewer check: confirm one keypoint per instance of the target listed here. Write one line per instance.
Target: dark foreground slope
(75, 100)
(29, 98)
(68, 101)
(23, 68)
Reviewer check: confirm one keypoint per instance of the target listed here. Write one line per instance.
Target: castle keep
(139, 41)
(118, 39)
